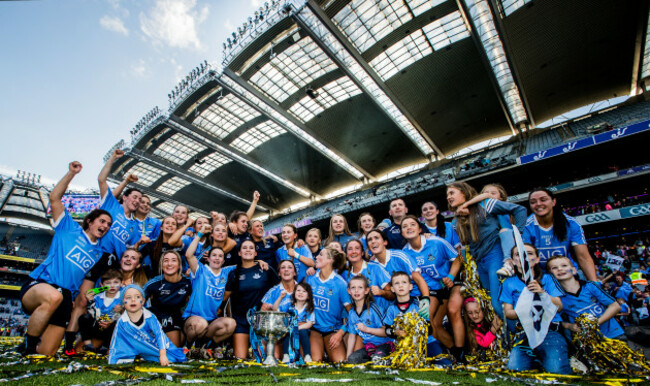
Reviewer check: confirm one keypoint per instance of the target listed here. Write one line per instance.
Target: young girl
(302, 301)
(377, 276)
(330, 300)
(481, 332)
(553, 351)
(367, 337)
(478, 225)
(139, 334)
(301, 256)
(339, 230)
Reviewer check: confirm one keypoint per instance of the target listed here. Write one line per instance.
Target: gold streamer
(410, 351)
(472, 288)
(604, 355)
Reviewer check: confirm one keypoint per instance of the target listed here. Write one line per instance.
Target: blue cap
(128, 287)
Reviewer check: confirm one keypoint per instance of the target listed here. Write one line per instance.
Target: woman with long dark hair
(246, 286)
(478, 226)
(169, 239)
(554, 233)
(47, 295)
(436, 224)
(378, 277)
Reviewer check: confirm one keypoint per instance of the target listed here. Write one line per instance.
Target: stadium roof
(315, 96)
(24, 202)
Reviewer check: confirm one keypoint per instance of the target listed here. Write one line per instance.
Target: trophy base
(270, 360)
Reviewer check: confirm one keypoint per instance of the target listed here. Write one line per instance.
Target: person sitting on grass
(481, 332)
(96, 326)
(584, 297)
(367, 338)
(552, 352)
(139, 334)
(302, 302)
(404, 303)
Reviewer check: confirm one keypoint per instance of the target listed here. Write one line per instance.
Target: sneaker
(102, 350)
(285, 358)
(308, 358)
(506, 271)
(88, 348)
(71, 353)
(205, 353)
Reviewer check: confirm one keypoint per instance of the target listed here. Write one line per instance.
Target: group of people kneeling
(205, 277)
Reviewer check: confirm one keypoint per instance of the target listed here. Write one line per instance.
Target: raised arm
(103, 174)
(251, 209)
(57, 193)
(192, 261)
(175, 240)
(117, 192)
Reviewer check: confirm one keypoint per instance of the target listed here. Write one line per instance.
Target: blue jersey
(144, 341)
(372, 317)
(376, 275)
(124, 231)
(274, 293)
(282, 254)
(201, 249)
(106, 306)
(207, 292)
(413, 307)
(434, 259)
(512, 288)
(342, 239)
(150, 227)
(548, 245)
(399, 261)
(330, 299)
(591, 299)
(301, 313)
(70, 257)
(451, 236)
(624, 290)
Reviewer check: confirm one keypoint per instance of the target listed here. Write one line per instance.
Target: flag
(535, 311)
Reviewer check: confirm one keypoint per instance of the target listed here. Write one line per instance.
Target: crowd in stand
(147, 287)
(608, 203)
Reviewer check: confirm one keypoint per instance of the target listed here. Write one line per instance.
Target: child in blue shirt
(584, 297)
(96, 326)
(302, 302)
(139, 334)
(366, 337)
(553, 351)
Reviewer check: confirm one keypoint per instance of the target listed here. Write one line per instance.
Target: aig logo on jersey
(214, 292)
(322, 304)
(82, 259)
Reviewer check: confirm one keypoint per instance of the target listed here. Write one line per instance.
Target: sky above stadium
(77, 75)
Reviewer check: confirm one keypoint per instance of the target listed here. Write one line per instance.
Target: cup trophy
(271, 326)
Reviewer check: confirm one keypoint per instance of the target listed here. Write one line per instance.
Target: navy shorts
(243, 327)
(61, 316)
